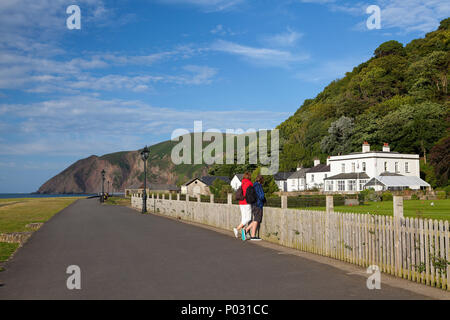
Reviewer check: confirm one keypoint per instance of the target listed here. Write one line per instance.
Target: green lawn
(118, 201)
(412, 208)
(15, 214)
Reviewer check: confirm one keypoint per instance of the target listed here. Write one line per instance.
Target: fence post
(398, 215)
(170, 196)
(330, 209)
(164, 196)
(284, 203)
(330, 204)
(211, 198)
(178, 197)
(230, 198)
(199, 198)
(157, 196)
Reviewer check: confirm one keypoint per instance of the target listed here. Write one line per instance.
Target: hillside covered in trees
(399, 96)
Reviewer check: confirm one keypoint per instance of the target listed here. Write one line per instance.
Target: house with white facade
(351, 172)
(297, 180)
(316, 175)
(281, 180)
(236, 181)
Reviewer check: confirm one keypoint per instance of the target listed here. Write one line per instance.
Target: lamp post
(144, 155)
(102, 197)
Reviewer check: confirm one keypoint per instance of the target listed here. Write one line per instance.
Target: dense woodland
(399, 96)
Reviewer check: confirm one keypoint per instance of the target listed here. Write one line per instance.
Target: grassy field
(430, 209)
(15, 214)
(118, 201)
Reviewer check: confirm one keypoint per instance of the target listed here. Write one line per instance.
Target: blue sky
(137, 70)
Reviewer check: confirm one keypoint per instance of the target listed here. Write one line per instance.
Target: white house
(316, 175)
(281, 180)
(351, 172)
(297, 180)
(236, 181)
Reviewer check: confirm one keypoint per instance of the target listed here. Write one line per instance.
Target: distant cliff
(123, 169)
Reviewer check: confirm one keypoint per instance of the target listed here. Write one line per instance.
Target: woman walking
(257, 208)
(246, 209)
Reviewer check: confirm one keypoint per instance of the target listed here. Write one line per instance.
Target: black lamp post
(144, 155)
(102, 197)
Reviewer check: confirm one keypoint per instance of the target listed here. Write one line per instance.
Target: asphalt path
(123, 254)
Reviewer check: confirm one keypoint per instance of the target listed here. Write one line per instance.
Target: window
(343, 168)
(341, 185)
(351, 185)
(330, 185)
(353, 167)
(406, 167)
(362, 183)
(326, 175)
(396, 167)
(385, 167)
(364, 167)
(312, 178)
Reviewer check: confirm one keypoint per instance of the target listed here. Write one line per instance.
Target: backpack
(239, 195)
(250, 195)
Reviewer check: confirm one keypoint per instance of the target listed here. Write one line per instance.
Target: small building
(152, 187)
(396, 182)
(281, 180)
(236, 181)
(200, 186)
(351, 172)
(316, 175)
(297, 180)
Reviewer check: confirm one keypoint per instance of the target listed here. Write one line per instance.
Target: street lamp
(102, 198)
(144, 155)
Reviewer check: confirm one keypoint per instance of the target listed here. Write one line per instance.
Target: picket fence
(411, 248)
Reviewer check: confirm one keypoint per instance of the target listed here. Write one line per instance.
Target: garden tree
(220, 188)
(440, 159)
(389, 47)
(338, 140)
(269, 185)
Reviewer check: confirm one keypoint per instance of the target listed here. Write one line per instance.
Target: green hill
(399, 96)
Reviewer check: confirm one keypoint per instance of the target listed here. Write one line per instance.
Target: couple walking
(251, 203)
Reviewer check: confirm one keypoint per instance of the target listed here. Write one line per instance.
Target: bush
(386, 196)
(441, 195)
(414, 197)
(447, 190)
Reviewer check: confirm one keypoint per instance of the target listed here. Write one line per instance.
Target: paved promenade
(125, 255)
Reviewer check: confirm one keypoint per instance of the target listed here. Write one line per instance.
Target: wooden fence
(410, 248)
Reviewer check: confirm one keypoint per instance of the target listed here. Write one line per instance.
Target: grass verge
(118, 201)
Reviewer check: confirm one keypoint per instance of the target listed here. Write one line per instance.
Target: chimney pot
(386, 147)
(366, 147)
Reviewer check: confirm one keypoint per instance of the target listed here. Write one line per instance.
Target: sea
(36, 195)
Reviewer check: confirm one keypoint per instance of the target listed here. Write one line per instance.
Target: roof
(135, 186)
(320, 168)
(208, 180)
(349, 176)
(282, 175)
(392, 174)
(398, 181)
(240, 176)
(301, 173)
(160, 187)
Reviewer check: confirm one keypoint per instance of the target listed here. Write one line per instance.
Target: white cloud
(264, 56)
(284, 39)
(207, 5)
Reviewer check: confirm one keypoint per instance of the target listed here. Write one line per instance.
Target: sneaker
(235, 232)
(243, 234)
(255, 239)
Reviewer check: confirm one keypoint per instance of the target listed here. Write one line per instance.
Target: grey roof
(320, 168)
(348, 176)
(299, 174)
(208, 180)
(279, 176)
(386, 173)
(160, 187)
(398, 181)
(135, 186)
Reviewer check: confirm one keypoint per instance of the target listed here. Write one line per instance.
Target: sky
(139, 69)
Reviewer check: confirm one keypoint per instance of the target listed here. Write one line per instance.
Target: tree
(390, 47)
(440, 159)
(338, 140)
(269, 185)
